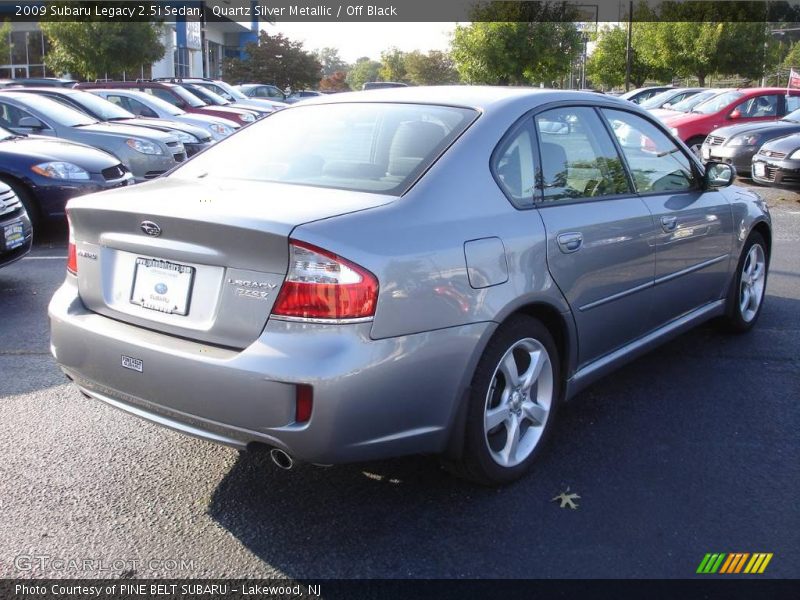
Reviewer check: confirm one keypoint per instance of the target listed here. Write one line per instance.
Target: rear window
(365, 147)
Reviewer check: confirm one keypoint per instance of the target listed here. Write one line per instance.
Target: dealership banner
(794, 80)
(400, 11)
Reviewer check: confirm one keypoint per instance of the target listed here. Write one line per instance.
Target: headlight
(186, 138)
(674, 131)
(795, 155)
(144, 146)
(220, 129)
(743, 140)
(61, 170)
(248, 117)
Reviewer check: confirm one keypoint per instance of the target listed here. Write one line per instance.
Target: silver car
(412, 270)
(146, 153)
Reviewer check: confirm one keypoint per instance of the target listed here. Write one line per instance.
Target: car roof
(483, 98)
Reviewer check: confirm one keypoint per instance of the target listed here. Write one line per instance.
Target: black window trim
(524, 122)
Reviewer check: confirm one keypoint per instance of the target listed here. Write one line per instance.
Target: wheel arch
(765, 230)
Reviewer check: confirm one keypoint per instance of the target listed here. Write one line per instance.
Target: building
(193, 48)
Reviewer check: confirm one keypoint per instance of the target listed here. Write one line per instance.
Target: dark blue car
(45, 172)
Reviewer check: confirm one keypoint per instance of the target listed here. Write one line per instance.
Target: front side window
(760, 106)
(656, 163)
(366, 147)
(578, 157)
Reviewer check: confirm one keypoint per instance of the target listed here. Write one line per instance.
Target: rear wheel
(746, 296)
(512, 402)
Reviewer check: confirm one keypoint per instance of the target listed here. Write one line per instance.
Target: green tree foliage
(331, 61)
(793, 57)
(277, 60)
(99, 49)
(606, 66)
(335, 83)
(364, 70)
(5, 31)
(433, 68)
(393, 65)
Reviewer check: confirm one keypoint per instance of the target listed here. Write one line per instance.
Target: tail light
(72, 255)
(323, 285)
(304, 403)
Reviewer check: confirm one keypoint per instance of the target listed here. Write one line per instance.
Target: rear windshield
(188, 97)
(365, 147)
(717, 103)
(689, 103)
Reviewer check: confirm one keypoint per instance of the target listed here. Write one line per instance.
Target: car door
(694, 226)
(599, 233)
(763, 107)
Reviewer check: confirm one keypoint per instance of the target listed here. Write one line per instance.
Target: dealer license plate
(162, 286)
(759, 169)
(14, 235)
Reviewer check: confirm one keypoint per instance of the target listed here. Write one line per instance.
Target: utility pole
(628, 56)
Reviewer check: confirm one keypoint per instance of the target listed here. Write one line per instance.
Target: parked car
(746, 105)
(193, 138)
(214, 99)
(639, 95)
(45, 82)
(177, 96)
(778, 161)
(16, 233)
(302, 95)
(411, 270)
(687, 104)
(262, 90)
(145, 152)
(736, 145)
(231, 94)
(380, 85)
(669, 97)
(45, 172)
(141, 104)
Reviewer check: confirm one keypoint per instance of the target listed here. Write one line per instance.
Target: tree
(606, 66)
(330, 61)
(393, 65)
(335, 83)
(275, 59)
(364, 70)
(100, 49)
(433, 68)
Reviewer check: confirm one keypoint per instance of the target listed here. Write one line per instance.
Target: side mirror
(30, 123)
(735, 114)
(718, 175)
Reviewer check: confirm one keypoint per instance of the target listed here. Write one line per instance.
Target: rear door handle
(669, 223)
(570, 242)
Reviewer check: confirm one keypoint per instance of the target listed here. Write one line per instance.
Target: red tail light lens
(304, 403)
(323, 285)
(72, 255)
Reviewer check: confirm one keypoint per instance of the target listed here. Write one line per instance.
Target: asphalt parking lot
(692, 449)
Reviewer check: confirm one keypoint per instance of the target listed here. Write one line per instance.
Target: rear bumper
(372, 398)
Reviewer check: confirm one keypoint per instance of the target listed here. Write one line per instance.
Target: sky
(366, 39)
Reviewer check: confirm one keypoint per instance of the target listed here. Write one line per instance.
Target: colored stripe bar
(765, 563)
(751, 564)
(716, 565)
(741, 562)
(727, 565)
(702, 567)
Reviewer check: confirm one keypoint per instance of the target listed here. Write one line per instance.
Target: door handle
(669, 224)
(570, 242)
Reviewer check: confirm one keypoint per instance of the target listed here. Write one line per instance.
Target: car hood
(681, 119)
(772, 128)
(164, 125)
(42, 149)
(129, 131)
(786, 144)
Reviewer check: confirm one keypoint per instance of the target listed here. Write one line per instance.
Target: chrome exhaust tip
(281, 459)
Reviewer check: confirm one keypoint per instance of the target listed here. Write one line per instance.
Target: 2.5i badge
(134, 364)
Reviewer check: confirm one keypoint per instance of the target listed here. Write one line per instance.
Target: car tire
(748, 288)
(512, 403)
(695, 144)
(25, 197)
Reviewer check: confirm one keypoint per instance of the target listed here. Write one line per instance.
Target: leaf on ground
(567, 500)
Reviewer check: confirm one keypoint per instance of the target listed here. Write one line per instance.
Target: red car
(177, 96)
(744, 105)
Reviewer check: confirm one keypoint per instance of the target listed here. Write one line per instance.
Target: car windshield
(188, 97)
(365, 147)
(105, 110)
(689, 103)
(158, 104)
(56, 111)
(659, 99)
(717, 103)
(207, 95)
(232, 91)
(631, 94)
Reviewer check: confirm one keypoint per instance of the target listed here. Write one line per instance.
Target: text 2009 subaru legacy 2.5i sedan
(410, 270)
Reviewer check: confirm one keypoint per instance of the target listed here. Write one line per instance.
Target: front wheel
(512, 402)
(746, 296)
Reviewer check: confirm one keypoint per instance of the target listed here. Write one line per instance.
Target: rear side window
(514, 169)
(366, 147)
(656, 163)
(579, 159)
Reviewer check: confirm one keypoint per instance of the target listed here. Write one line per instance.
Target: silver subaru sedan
(411, 270)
